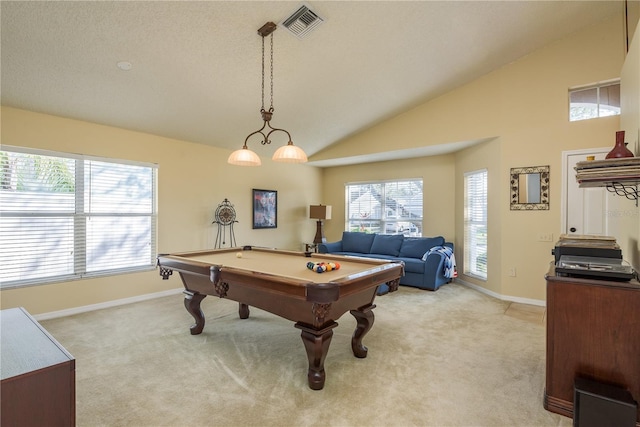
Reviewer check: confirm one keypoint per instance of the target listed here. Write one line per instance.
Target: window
(594, 101)
(385, 207)
(65, 217)
(475, 224)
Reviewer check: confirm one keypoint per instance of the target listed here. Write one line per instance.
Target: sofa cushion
(357, 242)
(387, 244)
(416, 247)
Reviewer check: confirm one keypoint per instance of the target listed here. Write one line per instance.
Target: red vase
(620, 150)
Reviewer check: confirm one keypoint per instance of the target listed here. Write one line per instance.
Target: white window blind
(386, 207)
(475, 224)
(65, 216)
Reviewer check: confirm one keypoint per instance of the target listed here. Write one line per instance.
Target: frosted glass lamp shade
(244, 157)
(289, 154)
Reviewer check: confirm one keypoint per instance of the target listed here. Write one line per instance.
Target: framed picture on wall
(265, 209)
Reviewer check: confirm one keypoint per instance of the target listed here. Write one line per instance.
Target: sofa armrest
(433, 272)
(327, 248)
(434, 269)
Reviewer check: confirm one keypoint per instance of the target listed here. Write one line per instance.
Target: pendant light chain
(263, 73)
(271, 72)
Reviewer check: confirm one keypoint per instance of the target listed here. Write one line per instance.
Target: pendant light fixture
(286, 154)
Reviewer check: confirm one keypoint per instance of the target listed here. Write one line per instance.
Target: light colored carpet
(445, 358)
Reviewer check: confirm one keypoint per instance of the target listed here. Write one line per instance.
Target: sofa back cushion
(416, 247)
(387, 244)
(357, 242)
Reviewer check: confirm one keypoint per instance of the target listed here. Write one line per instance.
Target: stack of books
(597, 173)
(588, 241)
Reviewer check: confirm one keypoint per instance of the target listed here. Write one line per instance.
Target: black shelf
(628, 190)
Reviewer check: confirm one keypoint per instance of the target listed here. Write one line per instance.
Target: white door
(584, 209)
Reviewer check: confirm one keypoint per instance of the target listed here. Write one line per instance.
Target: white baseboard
(139, 298)
(108, 304)
(541, 303)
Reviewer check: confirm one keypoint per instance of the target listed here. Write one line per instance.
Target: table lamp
(319, 212)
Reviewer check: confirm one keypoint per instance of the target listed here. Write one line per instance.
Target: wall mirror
(529, 188)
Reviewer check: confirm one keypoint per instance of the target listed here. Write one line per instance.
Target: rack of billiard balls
(321, 267)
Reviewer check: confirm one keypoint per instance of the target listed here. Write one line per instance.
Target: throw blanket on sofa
(450, 270)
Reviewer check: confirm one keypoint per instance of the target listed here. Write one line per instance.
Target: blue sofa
(425, 258)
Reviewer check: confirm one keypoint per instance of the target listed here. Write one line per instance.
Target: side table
(38, 374)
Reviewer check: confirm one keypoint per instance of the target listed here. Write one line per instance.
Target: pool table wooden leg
(316, 342)
(365, 318)
(243, 310)
(192, 302)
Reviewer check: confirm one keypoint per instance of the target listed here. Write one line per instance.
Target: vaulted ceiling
(196, 65)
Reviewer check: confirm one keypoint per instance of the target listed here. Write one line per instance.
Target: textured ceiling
(196, 65)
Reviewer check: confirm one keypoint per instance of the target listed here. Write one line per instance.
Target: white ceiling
(196, 65)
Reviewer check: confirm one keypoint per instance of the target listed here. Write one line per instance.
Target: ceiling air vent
(302, 21)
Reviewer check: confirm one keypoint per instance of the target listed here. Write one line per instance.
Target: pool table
(279, 282)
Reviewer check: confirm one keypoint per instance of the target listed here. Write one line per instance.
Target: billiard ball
(239, 255)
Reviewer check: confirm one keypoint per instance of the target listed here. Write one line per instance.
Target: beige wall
(438, 177)
(192, 180)
(536, 131)
(633, 19)
(483, 156)
(525, 105)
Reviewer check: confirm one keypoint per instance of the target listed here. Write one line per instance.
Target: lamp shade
(289, 154)
(320, 212)
(244, 157)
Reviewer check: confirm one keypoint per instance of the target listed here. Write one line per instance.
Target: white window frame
(476, 224)
(78, 233)
(387, 220)
(599, 107)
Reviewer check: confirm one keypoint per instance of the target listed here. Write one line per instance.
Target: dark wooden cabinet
(38, 374)
(593, 332)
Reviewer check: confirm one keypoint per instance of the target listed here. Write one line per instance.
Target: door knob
(572, 229)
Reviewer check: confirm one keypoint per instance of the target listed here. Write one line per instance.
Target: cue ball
(239, 255)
